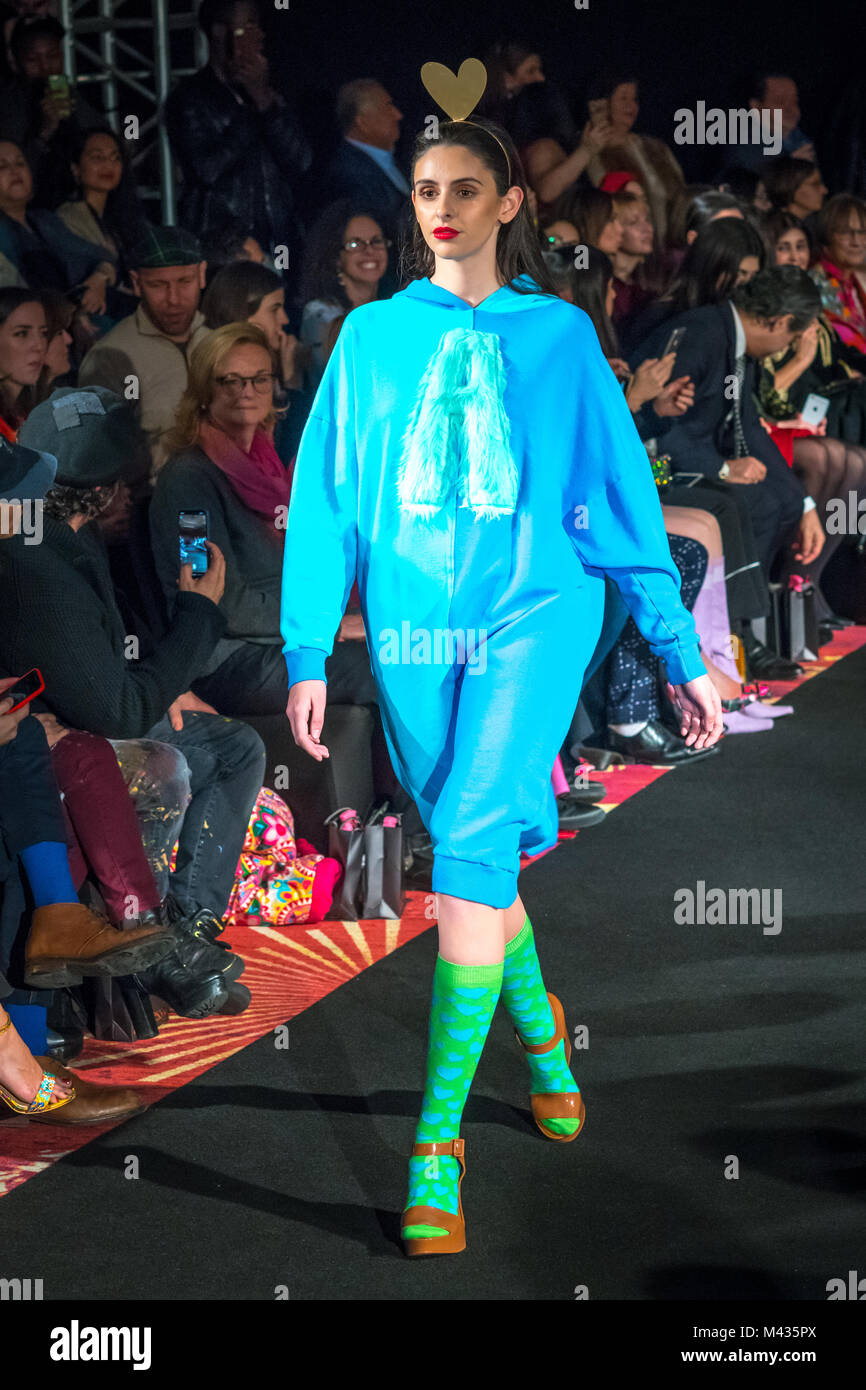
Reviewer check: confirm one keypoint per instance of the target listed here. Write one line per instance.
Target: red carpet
(287, 970)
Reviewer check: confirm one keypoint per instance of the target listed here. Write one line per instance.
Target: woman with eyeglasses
(345, 258)
(840, 273)
(222, 460)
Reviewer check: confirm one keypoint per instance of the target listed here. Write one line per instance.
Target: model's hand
(700, 710)
(810, 538)
(306, 715)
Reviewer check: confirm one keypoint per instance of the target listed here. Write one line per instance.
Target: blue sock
(47, 868)
(31, 1022)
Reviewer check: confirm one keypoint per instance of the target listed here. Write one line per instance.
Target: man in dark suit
(721, 435)
(363, 167)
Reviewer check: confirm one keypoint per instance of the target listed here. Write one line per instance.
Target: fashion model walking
(471, 459)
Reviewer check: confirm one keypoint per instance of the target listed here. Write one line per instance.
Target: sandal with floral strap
(42, 1101)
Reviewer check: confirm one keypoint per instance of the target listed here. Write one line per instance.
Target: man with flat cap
(144, 357)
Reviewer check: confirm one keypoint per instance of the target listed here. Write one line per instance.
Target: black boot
(194, 979)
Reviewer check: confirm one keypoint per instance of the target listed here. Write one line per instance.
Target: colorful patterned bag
(274, 882)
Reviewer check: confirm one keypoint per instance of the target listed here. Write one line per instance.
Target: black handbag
(371, 858)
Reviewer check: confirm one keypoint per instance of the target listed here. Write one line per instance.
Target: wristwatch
(724, 470)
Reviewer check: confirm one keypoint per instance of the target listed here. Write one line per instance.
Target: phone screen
(58, 84)
(25, 689)
(193, 529)
(674, 340)
(599, 110)
(815, 408)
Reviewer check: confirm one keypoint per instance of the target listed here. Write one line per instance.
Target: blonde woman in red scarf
(223, 462)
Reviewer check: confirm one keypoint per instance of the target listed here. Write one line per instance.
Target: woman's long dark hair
(783, 176)
(518, 251)
(710, 267)
(236, 291)
(775, 224)
(318, 277)
(590, 209)
(587, 286)
(12, 298)
(124, 217)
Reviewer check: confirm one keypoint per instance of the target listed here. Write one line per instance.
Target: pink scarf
(259, 478)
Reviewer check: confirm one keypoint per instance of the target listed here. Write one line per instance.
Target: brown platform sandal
(455, 1241)
(563, 1105)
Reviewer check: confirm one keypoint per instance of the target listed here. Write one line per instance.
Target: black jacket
(58, 612)
(237, 162)
(701, 440)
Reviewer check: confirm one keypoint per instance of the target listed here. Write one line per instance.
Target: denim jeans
(226, 761)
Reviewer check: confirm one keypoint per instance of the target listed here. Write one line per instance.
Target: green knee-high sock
(525, 998)
(464, 1000)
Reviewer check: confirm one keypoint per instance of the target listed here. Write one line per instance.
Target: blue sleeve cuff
(685, 664)
(306, 664)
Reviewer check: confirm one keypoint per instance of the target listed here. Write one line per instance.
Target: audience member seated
(721, 436)
(245, 292)
(23, 347)
(59, 324)
(239, 146)
(591, 211)
(840, 272)
(821, 362)
(66, 581)
(795, 185)
(746, 185)
(147, 351)
(650, 159)
(230, 243)
(363, 172)
(223, 461)
(634, 285)
(553, 173)
(43, 251)
(345, 264)
(106, 211)
(42, 108)
(770, 92)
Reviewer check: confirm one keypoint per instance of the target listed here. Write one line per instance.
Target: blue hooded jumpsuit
(473, 730)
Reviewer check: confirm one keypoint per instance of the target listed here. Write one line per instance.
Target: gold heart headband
(460, 94)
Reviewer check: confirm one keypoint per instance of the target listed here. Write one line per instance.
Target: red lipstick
(445, 233)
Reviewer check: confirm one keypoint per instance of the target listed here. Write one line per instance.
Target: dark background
(683, 51)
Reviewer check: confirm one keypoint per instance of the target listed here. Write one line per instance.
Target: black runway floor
(712, 1049)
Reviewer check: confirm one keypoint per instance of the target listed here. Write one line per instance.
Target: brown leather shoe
(68, 941)
(557, 1105)
(92, 1104)
(455, 1226)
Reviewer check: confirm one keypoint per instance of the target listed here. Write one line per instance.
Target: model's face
(23, 344)
(637, 230)
(100, 167)
(610, 240)
(811, 193)
(367, 261)
(234, 405)
(749, 266)
(624, 106)
(848, 243)
(454, 190)
(16, 183)
(792, 248)
(271, 318)
(170, 295)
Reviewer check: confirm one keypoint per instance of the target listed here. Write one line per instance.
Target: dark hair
(740, 183)
(775, 224)
(758, 82)
(11, 298)
(705, 206)
(236, 291)
(213, 12)
(123, 217)
(783, 176)
(606, 81)
(503, 56)
(590, 209)
(63, 502)
(834, 213)
(782, 289)
(587, 286)
(318, 277)
(517, 248)
(27, 31)
(709, 270)
(59, 313)
(350, 99)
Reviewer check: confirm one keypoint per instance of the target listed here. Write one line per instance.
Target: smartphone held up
(193, 534)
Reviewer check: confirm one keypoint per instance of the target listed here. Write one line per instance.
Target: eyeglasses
(261, 382)
(357, 243)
